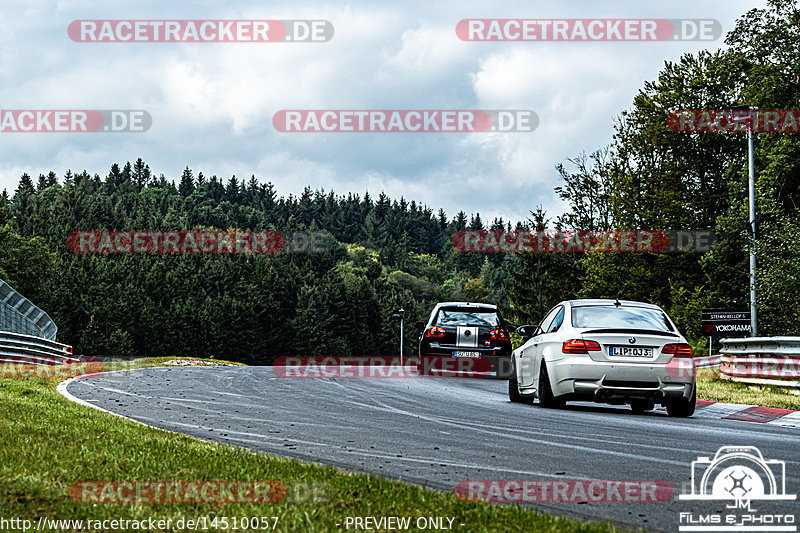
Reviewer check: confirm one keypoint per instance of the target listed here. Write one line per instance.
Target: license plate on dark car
(466, 354)
(629, 351)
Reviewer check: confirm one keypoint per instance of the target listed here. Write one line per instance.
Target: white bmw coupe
(606, 351)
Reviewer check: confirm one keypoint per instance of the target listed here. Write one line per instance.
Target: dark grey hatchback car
(467, 330)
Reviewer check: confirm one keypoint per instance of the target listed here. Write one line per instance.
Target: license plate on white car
(466, 354)
(629, 351)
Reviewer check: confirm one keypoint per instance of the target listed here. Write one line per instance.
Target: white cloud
(212, 104)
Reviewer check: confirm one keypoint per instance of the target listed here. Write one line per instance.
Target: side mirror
(419, 325)
(527, 331)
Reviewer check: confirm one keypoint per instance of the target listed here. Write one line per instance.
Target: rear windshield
(614, 317)
(467, 317)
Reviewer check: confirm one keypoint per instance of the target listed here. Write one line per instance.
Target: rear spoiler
(630, 330)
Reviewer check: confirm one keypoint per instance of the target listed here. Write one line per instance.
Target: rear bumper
(580, 378)
(498, 367)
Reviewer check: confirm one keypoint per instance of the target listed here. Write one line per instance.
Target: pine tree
(114, 178)
(141, 174)
(24, 191)
(233, 191)
(186, 186)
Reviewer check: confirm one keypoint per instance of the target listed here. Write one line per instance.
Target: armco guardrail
(30, 350)
(761, 360)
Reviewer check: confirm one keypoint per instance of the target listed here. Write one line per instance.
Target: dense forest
(392, 253)
(250, 307)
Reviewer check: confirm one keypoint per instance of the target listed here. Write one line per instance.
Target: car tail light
(69, 350)
(499, 334)
(580, 346)
(678, 350)
(435, 331)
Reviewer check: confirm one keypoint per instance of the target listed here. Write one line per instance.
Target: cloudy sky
(212, 103)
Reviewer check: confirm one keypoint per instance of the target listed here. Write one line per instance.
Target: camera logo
(738, 473)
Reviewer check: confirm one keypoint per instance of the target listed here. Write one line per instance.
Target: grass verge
(723, 390)
(49, 443)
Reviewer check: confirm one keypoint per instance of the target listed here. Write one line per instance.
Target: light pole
(744, 115)
(400, 313)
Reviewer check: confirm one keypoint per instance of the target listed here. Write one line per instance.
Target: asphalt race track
(438, 432)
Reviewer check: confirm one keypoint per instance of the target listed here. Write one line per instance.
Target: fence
(19, 315)
(761, 360)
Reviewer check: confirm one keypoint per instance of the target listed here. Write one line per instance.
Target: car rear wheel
(513, 391)
(641, 406)
(546, 397)
(681, 407)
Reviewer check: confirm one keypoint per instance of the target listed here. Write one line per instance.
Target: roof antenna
(617, 302)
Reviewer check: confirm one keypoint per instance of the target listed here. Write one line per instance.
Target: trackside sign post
(726, 322)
